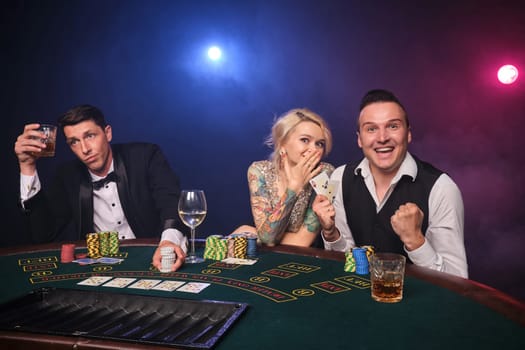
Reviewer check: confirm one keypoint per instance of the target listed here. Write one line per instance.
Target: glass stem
(192, 252)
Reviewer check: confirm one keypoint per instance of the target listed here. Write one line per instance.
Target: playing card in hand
(320, 183)
(323, 185)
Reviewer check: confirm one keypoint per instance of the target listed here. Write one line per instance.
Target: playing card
(119, 282)
(193, 287)
(331, 191)
(320, 183)
(95, 280)
(239, 261)
(109, 260)
(85, 261)
(168, 286)
(145, 284)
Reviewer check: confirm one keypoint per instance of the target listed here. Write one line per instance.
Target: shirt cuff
(176, 237)
(337, 245)
(29, 186)
(424, 256)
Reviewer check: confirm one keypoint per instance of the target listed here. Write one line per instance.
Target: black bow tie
(112, 177)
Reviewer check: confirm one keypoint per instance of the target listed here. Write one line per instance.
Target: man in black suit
(128, 188)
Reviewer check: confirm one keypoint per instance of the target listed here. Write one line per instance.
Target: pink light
(507, 74)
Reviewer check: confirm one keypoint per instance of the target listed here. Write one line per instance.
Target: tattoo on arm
(270, 221)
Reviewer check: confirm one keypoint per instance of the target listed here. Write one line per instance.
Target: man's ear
(109, 133)
(358, 139)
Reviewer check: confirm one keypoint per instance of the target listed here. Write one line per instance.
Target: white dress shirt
(108, 214)
(444, 248)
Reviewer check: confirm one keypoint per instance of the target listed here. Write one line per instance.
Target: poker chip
(114, 243)
(101, 244)
(67, 254)
(231, 247)
(370, 250)
(93, 245)
(216, 248)
(251, 253)
(165, 264)
(103, 239)
(349, 261)
(240, 246)
(361, 261)
(167, 258)
(166, 250)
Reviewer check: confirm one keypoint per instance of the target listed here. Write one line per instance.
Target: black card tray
(194, 324)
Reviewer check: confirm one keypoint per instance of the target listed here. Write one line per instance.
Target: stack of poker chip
(67, 254)
(240, 246)
(114, 244)
(237, 245)
(251, 253)
(361, 261)
(369, 250)
(351, 263)
(216, 248)
(230, 253)
(167, 258)
(103, 241)
(93, 245)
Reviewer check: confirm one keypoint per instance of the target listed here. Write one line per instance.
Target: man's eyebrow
(388, 121)
(84, 134)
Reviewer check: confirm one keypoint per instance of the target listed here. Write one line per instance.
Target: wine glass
(192, 211)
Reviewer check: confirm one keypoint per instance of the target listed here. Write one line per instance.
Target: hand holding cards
(323, 185)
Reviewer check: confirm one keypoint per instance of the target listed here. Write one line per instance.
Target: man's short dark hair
(380, 95)
(82, 113)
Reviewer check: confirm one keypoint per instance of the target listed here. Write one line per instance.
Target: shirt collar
(96, 177)
(408, 168)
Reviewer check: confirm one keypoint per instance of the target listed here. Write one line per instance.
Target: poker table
(295, 298)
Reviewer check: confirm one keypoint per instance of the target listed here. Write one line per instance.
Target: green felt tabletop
(295, 302)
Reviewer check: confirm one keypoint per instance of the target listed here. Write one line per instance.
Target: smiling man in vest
(391, 199)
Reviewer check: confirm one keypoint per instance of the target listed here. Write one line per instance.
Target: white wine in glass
(192, 211)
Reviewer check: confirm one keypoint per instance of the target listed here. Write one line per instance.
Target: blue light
(214, 53)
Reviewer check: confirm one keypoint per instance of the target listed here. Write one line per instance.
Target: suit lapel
(85, 206)
(123, 186)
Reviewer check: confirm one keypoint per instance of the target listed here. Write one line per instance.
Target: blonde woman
(280, 193)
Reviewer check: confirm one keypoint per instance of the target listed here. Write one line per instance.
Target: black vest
(371, 228)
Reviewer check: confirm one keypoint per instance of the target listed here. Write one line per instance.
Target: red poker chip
(81, 256)
(67, 254)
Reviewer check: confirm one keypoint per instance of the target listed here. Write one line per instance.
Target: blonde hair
(287, 122)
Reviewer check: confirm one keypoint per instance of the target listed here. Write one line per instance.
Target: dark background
(143, 63)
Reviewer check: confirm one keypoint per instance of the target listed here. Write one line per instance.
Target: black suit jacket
(147, 186)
